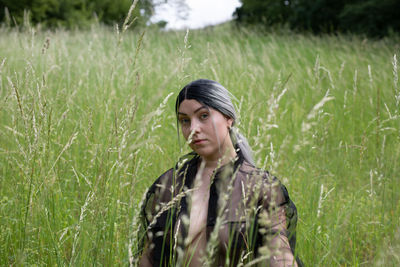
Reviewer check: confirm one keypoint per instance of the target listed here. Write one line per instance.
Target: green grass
(88, 123)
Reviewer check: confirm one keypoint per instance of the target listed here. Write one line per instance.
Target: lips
(198, 141)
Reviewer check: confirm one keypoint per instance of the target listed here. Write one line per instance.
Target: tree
(371, 17)
(72, 13)
(268, 12)
(316, 15)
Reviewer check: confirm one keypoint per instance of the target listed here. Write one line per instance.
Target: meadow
(87, 123)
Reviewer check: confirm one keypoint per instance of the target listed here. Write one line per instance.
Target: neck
(213, 163)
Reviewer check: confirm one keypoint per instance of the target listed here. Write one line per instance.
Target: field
(87, 123)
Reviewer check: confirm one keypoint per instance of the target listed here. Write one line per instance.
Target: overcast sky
(200, 13)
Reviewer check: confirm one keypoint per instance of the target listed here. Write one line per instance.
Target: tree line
(72, 13)
(370, 17)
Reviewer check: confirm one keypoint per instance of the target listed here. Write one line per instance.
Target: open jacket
(251, 218)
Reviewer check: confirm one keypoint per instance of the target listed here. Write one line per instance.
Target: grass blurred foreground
(87, 124)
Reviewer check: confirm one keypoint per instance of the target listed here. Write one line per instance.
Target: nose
(194, 127)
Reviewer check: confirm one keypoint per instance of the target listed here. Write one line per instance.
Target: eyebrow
(200, 108)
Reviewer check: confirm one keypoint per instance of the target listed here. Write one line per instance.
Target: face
(206, 129)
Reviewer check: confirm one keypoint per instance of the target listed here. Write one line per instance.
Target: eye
(204, 116)
(184, 121)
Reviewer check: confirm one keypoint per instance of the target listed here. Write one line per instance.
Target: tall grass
(87, 123)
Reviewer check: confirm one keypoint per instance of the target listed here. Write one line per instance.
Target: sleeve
(274, 224)
(147, 209)
(153, 219)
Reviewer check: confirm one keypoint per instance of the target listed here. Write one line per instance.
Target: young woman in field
(215, 207)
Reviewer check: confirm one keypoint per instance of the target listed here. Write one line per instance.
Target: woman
(215, 208)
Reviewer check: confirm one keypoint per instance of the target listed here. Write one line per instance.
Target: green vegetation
(72, 13)
(370, 17)
(87, 123)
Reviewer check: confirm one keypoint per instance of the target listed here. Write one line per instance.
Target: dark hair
(214, 95)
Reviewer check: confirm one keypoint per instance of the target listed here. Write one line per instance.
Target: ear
(229, 122)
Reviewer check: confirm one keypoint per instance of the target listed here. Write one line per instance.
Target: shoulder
(250, 173)
(157, 191)
(162, 181)
(262, 185)
(155, 195)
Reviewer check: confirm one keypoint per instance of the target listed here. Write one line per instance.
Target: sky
(200, 13)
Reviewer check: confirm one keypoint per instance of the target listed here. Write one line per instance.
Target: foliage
(268, 12)
(86, 125)
(371, 17)
(374, 17)
(73, 13)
